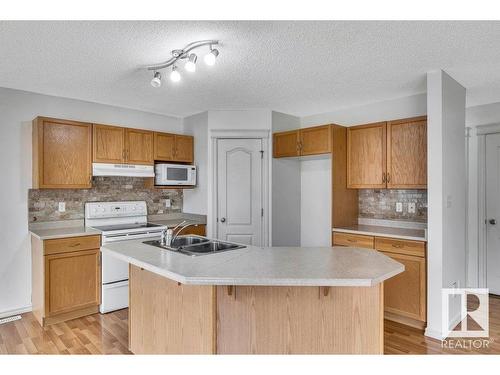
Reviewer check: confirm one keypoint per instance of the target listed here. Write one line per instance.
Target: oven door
(113, 270)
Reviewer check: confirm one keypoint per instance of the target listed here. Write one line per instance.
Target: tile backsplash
(43, 203)
(381, 204)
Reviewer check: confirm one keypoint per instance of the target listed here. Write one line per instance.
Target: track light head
(190, 65)
(175, 75)
(156, 81)
(211, 56)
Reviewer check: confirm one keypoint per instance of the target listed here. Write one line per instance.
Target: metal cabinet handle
(223, 220)
(383, 176)
(75, 244)
(493, 221)
(388, 177)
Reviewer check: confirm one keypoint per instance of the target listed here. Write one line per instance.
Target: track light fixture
(190, 65)
(211, 56)
(175, 75)
(156, 81)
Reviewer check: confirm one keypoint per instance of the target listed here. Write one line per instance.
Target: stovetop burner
(110, 228)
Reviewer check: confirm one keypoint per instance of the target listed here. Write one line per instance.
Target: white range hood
(127, 170)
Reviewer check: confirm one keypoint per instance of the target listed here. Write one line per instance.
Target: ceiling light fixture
(175, 76)
(181, 54)
(211, 56)
(190, 65)
(156, 81)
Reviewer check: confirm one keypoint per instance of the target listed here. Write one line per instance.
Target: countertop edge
(63, 235)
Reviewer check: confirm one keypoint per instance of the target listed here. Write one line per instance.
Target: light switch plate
(411, 207)
(62, 207)
(168, 204)
(399, 207)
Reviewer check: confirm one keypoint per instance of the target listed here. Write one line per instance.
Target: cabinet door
(407, 154)
(108, 144)
(286, 144)
(62, 154)
(199, 230)
(164, 146)
(184, 148)
(405, 294)
(315, 140)
(72, 281)
(366, 156)
(138, 146)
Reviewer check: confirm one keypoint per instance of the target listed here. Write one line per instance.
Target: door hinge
(262, 154)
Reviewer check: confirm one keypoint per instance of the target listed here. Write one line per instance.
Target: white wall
(446, 256)
(18, 109)
(410, 106)
(316, 202)
(196, 200)
(286, 189)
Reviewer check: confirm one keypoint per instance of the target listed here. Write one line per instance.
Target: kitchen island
(273, 300)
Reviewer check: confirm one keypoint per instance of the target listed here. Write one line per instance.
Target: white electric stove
(118, 221)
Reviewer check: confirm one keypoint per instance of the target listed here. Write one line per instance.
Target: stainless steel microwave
(175, 174)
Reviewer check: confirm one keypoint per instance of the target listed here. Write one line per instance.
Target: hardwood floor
(108, 334)
(94, 334)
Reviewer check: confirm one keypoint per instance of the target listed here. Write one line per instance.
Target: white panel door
(239, 190)
(493, 212)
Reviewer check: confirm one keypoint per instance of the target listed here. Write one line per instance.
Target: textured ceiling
(301, 68)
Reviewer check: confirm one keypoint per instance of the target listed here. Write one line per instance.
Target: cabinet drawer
(352, 240)
(407, 247)
(70, 244)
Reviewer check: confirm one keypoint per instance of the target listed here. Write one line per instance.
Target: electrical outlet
(62, 207)
(399, 207)
(168, 204)
(411, 207)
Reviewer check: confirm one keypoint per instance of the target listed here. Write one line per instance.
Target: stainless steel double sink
(196, 245)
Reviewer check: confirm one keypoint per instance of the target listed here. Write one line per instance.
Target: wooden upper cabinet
(109, 144)
(184, 148)
(164, 146)
(407, 154)
(315, 140)
(173, 147)
(366, 156)
(286, 144)
(138, 146)
(62, 154)
(302, 142)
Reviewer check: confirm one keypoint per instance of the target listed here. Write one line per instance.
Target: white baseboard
(433, 334)
(21, 310)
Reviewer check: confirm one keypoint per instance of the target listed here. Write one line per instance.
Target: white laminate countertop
(53, 230)
(281, 266)
(381, 231)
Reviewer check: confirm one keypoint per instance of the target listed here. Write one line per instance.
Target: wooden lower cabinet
(66, 278)
(166, 317)
(200, 230)
(405, 295)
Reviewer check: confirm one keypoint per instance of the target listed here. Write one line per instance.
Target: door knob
(493, 221)
(223, 220)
